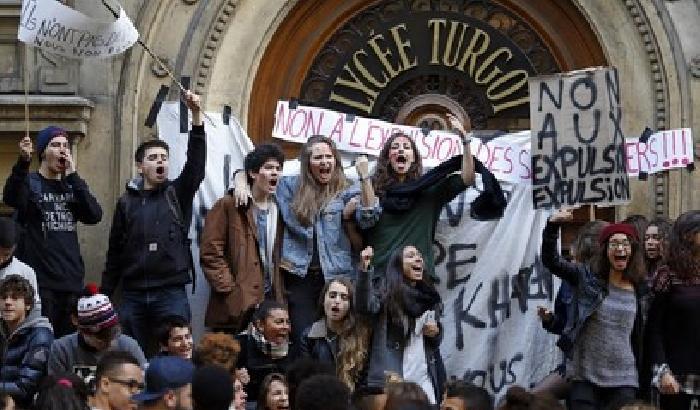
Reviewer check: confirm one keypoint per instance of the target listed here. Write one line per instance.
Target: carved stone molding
(70, 112)
(215, 34)
(651, 45)
(190, 2)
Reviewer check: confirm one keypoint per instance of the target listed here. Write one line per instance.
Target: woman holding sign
(604, 336)
(674, 320)
(411, 202)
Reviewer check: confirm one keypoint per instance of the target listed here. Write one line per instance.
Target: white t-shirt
(415, 366)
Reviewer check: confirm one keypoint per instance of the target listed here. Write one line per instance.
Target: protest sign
(491, 283)
(662, 151)
(578, 147)
(506, 155)
(59, 29)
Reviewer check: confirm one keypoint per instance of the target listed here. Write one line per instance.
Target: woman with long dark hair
(406, 335)
(674, 320)
(316, 247)
(411, 202)
(338, 337)
(604, 336)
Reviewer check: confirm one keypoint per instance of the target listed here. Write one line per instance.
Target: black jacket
(24, 355)
(148, 244)
(260, 364)
(317, 344)
(49, 212)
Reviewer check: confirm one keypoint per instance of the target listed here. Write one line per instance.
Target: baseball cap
(165, 373)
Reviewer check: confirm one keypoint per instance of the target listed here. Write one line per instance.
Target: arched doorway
(401, 60)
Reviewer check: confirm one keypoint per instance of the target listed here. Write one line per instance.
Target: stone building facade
(403, 60)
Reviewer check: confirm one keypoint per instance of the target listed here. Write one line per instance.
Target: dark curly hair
(384, 175)
(683, 253)
(635, 271)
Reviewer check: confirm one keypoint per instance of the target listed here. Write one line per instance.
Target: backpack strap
(176, 210)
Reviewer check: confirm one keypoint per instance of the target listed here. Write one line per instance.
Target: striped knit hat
(96, 313)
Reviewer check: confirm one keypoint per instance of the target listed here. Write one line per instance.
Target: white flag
(59, 29)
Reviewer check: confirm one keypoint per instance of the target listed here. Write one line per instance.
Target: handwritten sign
(662, 151)
(578, 147)
(59, 29)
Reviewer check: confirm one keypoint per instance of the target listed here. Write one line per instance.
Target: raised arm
(16, 191)
(192, 173)
(467, 171)
(551, 258)
(368, 297)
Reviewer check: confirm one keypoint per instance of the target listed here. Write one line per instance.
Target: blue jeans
(142, 311)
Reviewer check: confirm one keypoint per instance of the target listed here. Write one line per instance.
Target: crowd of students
(322, 289)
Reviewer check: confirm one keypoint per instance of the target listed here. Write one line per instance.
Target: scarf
(417, 299)
(275, 351)
(489, 205)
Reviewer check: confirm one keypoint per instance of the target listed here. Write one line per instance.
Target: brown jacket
(231, 262)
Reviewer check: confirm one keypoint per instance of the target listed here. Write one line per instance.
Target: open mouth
(620, 258)
(62, 161)
(273, 183)
(160, 170)
(401, 159)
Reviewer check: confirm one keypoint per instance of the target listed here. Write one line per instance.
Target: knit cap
(45, 136)
(96, 313)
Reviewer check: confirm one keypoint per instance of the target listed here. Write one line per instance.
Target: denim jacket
(589, 290)
(334, 250)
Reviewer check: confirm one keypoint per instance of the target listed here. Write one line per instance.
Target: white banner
(59, 29)
(491, 282)
(227, 146)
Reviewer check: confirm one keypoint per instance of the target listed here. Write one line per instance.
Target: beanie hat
(96, 313)
(612, 229)
(45, 136)
(212, 388)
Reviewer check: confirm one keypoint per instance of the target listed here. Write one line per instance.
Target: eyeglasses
(131, 384)
(619, 244)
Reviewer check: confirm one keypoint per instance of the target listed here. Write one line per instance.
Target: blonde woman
(314, 204)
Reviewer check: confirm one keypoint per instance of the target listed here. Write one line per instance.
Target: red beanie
(612, 229)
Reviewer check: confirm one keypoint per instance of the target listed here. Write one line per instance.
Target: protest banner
(227, 145)
(492, 335)
(506, 155)
(61, 30)
(578, 147)
(661, 151)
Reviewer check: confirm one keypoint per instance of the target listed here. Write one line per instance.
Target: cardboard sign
(59, 29)
(578, 147)
(662, 151)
